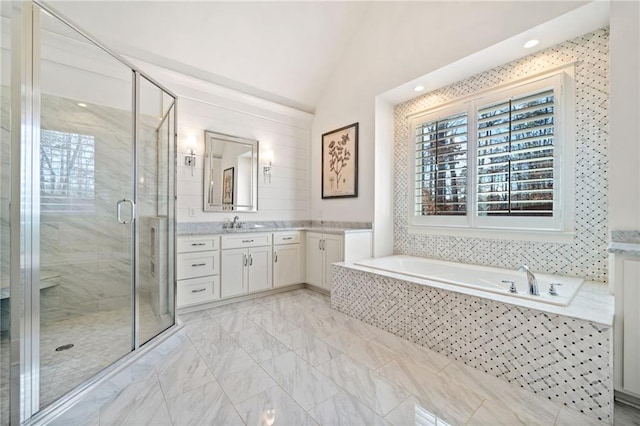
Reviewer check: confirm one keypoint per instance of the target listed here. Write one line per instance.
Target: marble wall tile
(585, 256)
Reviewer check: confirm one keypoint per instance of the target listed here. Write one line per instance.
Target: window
(67, 172)
(498, 160)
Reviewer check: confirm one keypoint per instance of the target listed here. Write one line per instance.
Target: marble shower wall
(88, 255)
(586, 256)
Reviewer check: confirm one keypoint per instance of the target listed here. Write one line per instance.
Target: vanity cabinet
(287, 258)
(246, 264)
(323, 249)
(197, 270)
(624, 276)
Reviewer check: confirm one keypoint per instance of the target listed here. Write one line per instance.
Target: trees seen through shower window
(67, 172)
(495, 161)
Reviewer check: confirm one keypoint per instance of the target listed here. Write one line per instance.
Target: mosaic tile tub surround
(586, 255)
(565, 359)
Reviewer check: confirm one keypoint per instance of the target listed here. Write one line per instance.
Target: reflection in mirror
(230, 173)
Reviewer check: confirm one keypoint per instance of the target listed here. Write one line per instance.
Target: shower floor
(99, 339)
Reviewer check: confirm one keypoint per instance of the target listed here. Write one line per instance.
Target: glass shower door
(155, 213)
(86, 209)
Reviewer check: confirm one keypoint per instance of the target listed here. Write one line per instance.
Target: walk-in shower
(87, 214)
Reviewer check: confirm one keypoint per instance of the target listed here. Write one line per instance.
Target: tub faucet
(533, 283)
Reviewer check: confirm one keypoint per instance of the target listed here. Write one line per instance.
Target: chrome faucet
(235, 223)
(533, 283)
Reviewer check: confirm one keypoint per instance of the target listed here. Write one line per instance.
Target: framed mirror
(230, 173)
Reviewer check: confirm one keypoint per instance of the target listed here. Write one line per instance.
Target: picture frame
(227, 185)
(340, 162)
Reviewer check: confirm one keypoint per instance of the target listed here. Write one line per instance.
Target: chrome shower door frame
(25, 211)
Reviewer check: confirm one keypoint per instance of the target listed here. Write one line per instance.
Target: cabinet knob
(275, 256)
(195, 265)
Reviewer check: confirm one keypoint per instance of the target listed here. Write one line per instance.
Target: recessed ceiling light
(80, 104)
(530, 44)
(418, 88)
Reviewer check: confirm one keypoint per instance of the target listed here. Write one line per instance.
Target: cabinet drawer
(191, 244)
(246, 240)
(286, 238)
(198, 290)
(191, 265)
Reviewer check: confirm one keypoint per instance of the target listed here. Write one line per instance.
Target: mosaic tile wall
(564, 359)
(586, 256)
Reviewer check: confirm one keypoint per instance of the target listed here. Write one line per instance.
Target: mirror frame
(209, 138)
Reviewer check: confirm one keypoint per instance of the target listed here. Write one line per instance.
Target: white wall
(624, 148)
(280, 129)
(394, 45)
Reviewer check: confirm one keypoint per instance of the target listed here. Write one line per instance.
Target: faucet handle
(512, 286)
(552, 288)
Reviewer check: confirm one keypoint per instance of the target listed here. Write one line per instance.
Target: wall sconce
(266, 169)
(190, 158)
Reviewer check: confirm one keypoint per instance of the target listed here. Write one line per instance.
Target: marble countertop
(630, 249)
(592, 302)
(335, 231)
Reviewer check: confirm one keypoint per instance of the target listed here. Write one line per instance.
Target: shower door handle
(119, 211)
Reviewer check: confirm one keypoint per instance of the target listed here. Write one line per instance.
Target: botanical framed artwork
(227, 186)
(340, 162)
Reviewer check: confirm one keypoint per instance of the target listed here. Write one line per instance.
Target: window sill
(495, 233)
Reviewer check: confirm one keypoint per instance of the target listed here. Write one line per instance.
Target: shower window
(67, 172)
(502, 159)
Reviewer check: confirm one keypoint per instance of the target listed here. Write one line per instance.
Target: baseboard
(627, 399)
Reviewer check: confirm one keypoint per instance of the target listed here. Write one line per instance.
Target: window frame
(558, 228)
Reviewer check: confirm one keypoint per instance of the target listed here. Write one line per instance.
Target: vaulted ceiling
(281, 51)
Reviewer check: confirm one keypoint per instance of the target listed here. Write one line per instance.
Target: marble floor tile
(357, 327)
(223, 368)
(412, 412)
(338, 369)
(626, 415)
(306, 385)
(273, 406)
(272, 322)
(366, 352)
(234, 321)
(259, 344)
(344, 409)
(529, 406)
(204, 405)
(569, 417)
(375, 391)
(183, 370)
(243, 384)
(403, 348)
(134, 403)
(228, 362)
(313, 323)
(309, 347)
(453, 403)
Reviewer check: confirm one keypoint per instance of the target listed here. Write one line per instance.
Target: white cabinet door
(332, 248)
(233, 272)
(286, 265)
(259, 268)
(315, 259)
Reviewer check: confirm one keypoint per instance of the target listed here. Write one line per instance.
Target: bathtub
(486, 279)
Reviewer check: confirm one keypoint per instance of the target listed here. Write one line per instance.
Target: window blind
(515, 156)
(67, 172)
(441, 166)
